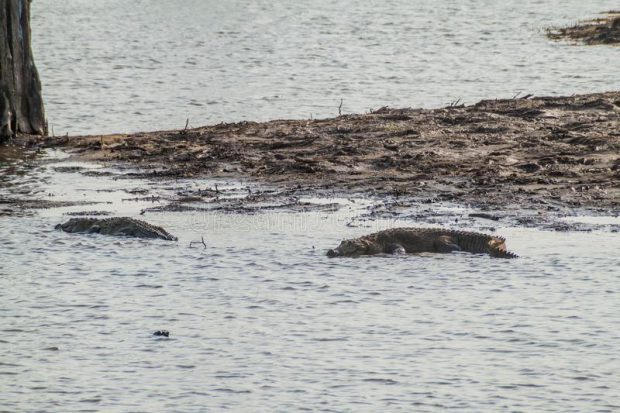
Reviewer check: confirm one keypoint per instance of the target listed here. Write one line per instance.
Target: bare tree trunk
(21, 105)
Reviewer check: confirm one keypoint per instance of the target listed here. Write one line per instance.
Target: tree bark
(21, 104)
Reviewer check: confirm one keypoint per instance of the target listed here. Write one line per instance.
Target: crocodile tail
(502, 253)
(497, 248)
(476, 243)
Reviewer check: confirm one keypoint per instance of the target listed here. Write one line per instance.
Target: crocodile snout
(332, 253)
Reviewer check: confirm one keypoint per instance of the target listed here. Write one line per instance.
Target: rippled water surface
(260, 320)
(117, 65)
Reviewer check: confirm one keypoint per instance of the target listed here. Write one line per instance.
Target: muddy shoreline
(537, 154)
(600, 31)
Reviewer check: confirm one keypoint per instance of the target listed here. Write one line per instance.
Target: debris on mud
(543, 153)
(88, 213)
(24, 206)
(605, 30)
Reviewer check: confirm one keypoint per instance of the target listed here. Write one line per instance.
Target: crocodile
(117, 226)
(417, 240)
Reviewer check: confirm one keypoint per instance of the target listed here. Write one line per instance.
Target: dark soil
(547, 153)
(604, 30)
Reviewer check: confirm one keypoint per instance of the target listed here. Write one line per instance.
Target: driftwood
(21, 105)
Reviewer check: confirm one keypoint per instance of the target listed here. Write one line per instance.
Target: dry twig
(202, 241)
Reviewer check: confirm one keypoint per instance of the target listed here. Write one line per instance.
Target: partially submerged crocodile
(416, 240)
(118, 226)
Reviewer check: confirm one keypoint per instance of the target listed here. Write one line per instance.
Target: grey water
(260, 320)
(141, 65)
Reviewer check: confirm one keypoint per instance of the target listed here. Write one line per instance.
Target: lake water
(118, 66)
(260, 320)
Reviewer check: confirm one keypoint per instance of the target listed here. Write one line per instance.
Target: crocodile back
(425, 240)
(117, 226)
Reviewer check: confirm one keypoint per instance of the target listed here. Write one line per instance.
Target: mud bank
(542, 153)
(604, 30)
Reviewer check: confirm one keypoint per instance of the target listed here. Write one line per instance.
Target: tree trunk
(21, 105)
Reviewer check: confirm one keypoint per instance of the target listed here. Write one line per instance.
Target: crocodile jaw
(332, 253)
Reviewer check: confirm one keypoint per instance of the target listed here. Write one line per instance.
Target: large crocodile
(417, 240)
(118, 226)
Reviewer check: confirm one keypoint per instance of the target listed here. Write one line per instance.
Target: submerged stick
(202, 241)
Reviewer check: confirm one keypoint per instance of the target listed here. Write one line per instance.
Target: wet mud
(513, 159)
(23, 193)
(603, 30)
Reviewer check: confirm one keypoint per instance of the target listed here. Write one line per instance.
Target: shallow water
(260, 319)
(116, 66)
